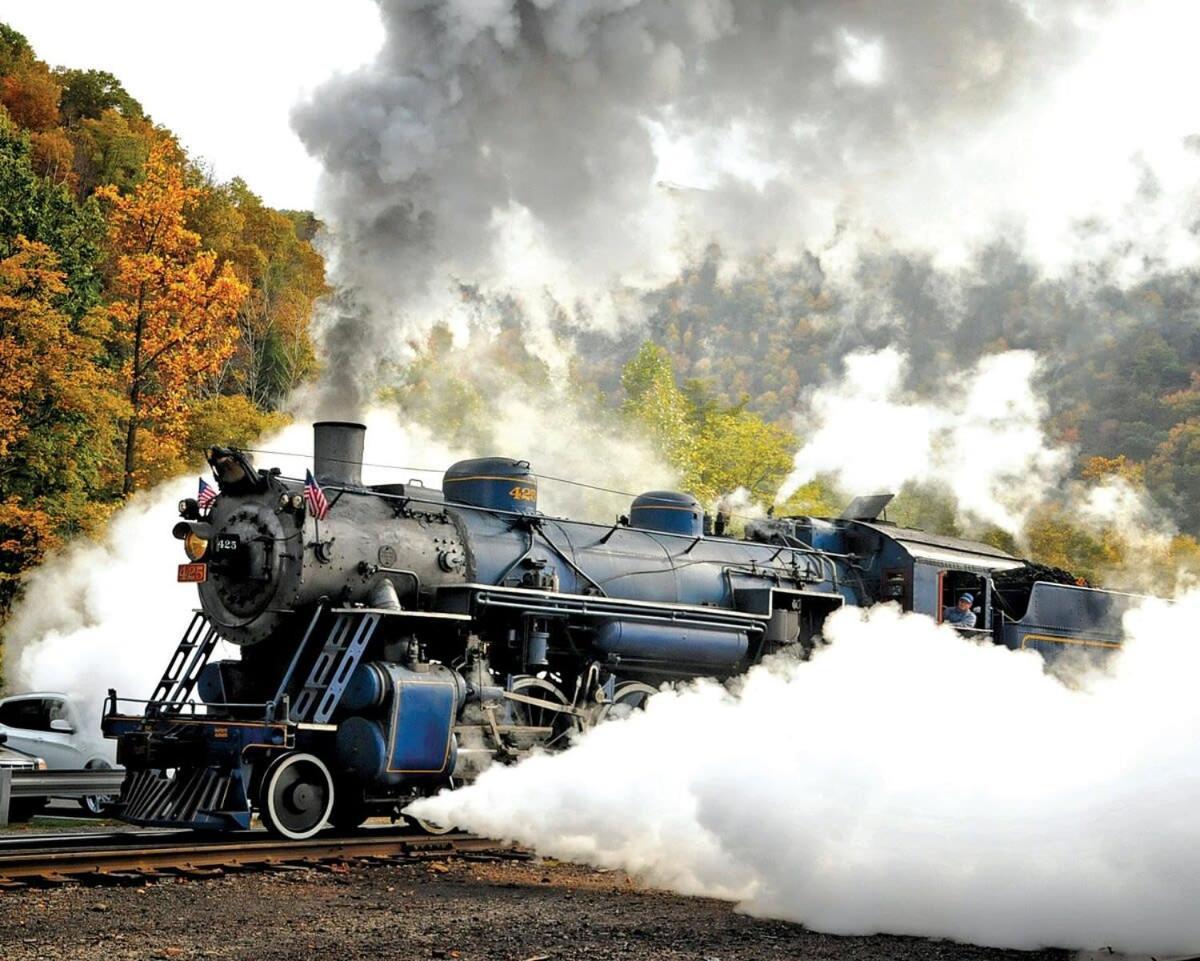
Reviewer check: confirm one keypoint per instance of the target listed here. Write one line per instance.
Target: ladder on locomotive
(347, 639)
(179, 679)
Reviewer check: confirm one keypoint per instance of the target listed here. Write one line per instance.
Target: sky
(223, 75)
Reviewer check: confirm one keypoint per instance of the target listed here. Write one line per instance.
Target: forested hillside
(1120, 361)
(145, 309)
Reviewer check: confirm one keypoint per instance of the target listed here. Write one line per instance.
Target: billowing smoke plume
(572, 151)
(903, 780)
(978, 433)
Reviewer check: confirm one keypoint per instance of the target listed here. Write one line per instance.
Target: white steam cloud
(904, 780)
(979, 434)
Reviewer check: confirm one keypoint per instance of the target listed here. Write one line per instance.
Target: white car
(48, 725)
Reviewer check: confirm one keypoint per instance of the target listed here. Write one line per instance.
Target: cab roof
(941, 549)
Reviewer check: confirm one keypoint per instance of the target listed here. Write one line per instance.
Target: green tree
(87, 94)
(111, 149)
(285, 276)
(656, 404)
(715, 449)
(39, 210)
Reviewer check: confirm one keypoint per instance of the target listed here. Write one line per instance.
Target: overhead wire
(432, 470)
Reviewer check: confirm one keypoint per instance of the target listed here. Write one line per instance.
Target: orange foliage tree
(30, 93)
(58, 416)
(172, 308)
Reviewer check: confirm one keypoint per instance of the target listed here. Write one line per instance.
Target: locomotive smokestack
(338, 452)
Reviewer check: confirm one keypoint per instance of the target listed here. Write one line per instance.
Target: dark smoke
(518, 145)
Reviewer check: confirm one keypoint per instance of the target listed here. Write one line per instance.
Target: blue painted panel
(415, 740)
(658, 642)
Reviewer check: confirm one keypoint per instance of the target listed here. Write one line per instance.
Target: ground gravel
(455, 909)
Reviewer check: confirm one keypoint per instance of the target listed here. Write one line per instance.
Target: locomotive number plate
(227, 544)
(193, 573)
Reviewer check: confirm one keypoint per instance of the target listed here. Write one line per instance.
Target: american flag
(315, 497)
(207, 495)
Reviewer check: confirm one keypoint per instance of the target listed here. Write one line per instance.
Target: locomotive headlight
(195, 536)
(194, 546)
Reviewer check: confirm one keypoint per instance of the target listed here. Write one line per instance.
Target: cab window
(954, 586)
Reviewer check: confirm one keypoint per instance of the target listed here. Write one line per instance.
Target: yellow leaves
(1099, 468)
(715, 450)
(26, 533)
(230, 419)
(43, 363)
(172, 308)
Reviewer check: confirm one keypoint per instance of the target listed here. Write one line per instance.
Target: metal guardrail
(47, 784)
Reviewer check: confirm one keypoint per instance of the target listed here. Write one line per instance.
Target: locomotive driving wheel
(627, 698)
(296, 796)
(551, 715)
(429, 827)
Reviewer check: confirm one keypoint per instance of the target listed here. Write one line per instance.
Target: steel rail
(121, 861)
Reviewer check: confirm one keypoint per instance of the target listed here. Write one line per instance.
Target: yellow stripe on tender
(520, 482)
(1057, 639)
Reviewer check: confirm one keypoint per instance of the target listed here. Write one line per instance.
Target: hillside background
(148, 311)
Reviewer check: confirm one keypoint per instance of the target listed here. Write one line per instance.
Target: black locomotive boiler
(411, 637)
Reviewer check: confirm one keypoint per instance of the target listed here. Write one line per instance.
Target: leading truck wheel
(296, 796)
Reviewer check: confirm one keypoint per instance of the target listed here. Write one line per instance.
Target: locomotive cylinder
(415, 738)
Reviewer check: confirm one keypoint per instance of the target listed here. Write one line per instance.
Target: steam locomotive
(411, 637)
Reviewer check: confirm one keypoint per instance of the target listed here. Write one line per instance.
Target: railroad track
(132, 858)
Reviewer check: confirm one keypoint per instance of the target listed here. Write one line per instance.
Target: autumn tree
(30, 93)
(285, 276)
(34, 208)
(736, 449)
(171, 306)
(716, 449)
(58, 414)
